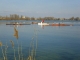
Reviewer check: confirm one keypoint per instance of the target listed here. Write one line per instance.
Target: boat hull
(61, 25)
(18, 24)
(43, 24)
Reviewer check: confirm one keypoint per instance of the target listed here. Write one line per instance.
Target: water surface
(53, 42)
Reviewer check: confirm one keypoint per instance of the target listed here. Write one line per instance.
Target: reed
(29, 58)
(33, 47)
(2, 50)
(18, 50)
(6, 51)
(16, 35)
(12, 43)
(21, 52)
(36, 43)
(15, 32)
(36, 40)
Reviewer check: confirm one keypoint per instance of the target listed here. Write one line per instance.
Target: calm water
(50, 42)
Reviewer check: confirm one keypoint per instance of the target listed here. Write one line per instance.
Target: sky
(41, 8)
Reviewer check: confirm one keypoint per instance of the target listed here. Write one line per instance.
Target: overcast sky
(41, 8)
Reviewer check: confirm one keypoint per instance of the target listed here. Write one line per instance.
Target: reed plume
(16, 35)
(12, 43)
(15, 32)
(0, 43)
(29, 58)
(2, 50)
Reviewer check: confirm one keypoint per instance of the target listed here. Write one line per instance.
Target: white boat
(43, 23)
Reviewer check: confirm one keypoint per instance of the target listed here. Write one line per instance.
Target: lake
(39, 42)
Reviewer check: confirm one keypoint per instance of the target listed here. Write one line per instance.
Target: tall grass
(21, 52)
(16, 35)
(2, 51)
(6, 46)
(33, 47)
(12, 43)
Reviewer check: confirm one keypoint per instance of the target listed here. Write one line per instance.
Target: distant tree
(32, 18)
(58, 18)
(39, 18)
(72, 18)
(27, 18)
(77, 18)
(0, 17)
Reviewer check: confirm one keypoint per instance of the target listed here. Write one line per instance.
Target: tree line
(17, 17)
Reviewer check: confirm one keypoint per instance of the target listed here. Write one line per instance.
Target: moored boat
(18, 24)
(43, 23)
(60, 24)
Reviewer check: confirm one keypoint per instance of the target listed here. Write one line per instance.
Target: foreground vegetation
(17, 52)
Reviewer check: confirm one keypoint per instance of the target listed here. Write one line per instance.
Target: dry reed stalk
(36, 43)
(31, 52)
(18, 50)
(21, 52)
(16, 35)
(2, 50)
(33, 46)
(12, 43)
(6, 51)
(0, 43)
(29, 58)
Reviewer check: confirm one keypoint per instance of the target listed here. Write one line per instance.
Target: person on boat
(42, 21)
